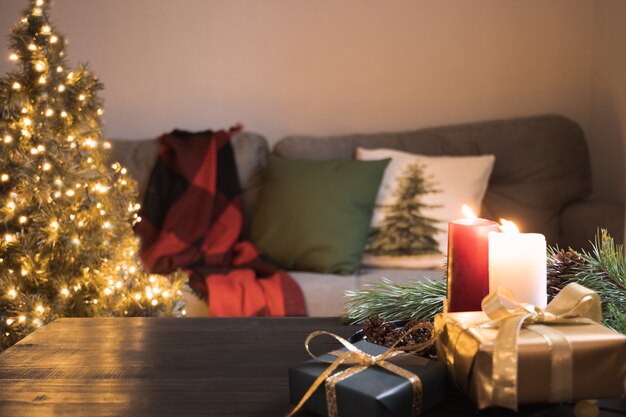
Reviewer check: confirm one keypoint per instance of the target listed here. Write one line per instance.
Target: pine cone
(559, 267)
(383, 333)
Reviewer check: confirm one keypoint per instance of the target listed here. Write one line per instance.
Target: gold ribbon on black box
(485, 351)
(359, 362)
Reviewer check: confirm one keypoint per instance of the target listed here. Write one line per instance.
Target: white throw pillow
(417, 198)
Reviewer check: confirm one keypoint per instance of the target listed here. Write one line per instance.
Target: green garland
(603, 270)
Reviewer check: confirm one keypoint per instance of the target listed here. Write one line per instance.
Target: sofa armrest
(580, 221)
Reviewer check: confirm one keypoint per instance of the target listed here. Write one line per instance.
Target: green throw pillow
(315, 215)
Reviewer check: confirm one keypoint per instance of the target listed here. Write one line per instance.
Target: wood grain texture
(149, 367)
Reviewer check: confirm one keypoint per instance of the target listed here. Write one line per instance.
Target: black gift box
(374, 392)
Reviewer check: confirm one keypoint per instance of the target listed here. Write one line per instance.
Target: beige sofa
(541, 179)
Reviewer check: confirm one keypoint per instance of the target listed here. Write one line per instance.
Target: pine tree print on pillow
(405, 230)
(67, 248)
(406, 234)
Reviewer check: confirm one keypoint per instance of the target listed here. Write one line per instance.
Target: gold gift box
(598, 354)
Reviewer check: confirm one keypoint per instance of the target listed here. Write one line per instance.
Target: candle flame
(508, 226)
(468, 212)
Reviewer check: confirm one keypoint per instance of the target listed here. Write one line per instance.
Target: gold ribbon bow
(575, 304)
(361, 361)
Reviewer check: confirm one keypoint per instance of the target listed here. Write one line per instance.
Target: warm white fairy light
(132, 269)
(46, 166)
(41, 148)
(16, 85)
(40, 66)
(61, 88)
(49, 112)
(9, 238)
(70, 138)
(123, 170)
(59, 69)
(37, 11)
(4, 177)
(23, 219)
(70, 193)
(46, 29)
(13, 57)
(8, 139)
(58, 182)
(40, 309)
(39, 3)
(64, 114)
(26, 121)
(32, 47)
(21, 319)
(12, 293)
(100, 112)
(24, 272)
(11, 205)
(137, 296)
(54, 39)
(183, 312)
(107, 291)
(65, 292)
(37, 322)
(90, 142)
(57, 194)
(70, 76)
(54, 225)
(154, 302)
(75, 241)
(107, 145)
(82, 97)
(9, 322)
(106, 225)
(42, 79)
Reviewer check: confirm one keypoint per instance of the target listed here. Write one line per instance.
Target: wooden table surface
(157, 367)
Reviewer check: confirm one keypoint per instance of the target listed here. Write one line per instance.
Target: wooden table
(153, 367)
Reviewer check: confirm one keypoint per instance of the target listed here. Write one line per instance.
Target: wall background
(327, 67)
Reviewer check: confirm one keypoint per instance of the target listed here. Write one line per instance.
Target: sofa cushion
(418, 196)
(542, 162)
(315, 215)
(251, 150)
(325, 293)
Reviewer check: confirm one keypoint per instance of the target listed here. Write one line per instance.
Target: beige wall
(335, 66)
(608, 127)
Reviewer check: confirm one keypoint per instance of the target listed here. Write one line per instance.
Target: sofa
(541, 179)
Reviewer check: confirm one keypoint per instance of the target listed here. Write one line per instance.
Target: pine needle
(392, 301)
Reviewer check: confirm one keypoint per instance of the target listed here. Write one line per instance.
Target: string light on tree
(67, 247)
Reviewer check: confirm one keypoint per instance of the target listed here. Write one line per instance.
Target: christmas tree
(405, 230)
(66, 247)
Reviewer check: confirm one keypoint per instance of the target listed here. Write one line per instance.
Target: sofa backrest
(251, 150)
(542, 162)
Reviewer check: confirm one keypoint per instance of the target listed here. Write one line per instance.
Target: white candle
(517, 261)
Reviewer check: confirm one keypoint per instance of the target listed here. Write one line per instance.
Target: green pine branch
(392, 301)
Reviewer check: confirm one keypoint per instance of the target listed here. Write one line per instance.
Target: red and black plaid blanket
(192, 219)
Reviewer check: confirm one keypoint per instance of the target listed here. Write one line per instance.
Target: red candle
(468, 262)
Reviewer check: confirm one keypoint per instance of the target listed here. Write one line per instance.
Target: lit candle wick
(507, 226)
(468, 212)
